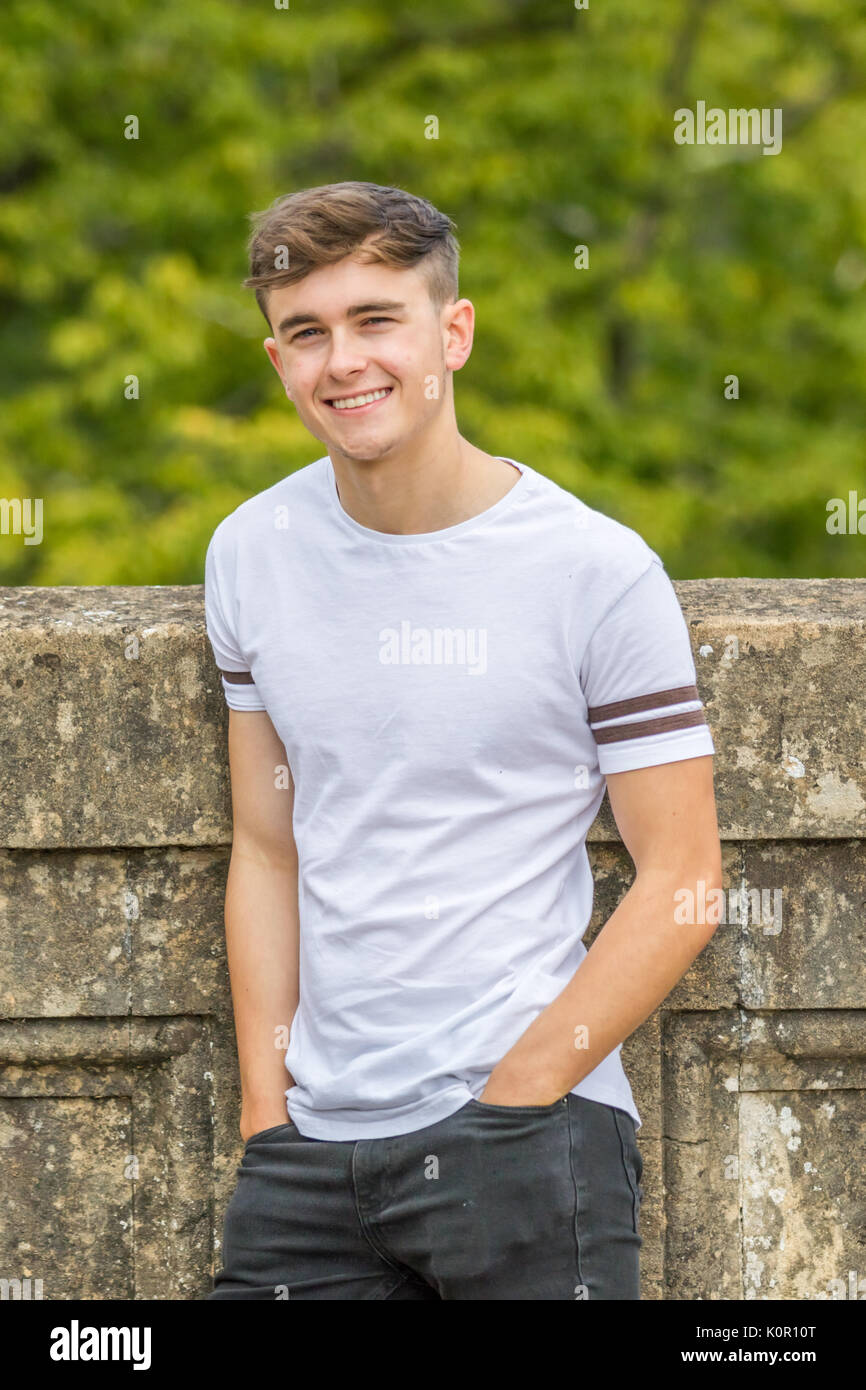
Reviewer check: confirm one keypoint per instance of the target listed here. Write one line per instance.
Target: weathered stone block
(119, 1088)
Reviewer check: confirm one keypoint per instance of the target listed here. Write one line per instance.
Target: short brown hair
(319, 226)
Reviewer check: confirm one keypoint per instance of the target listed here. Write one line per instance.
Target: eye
(298, 337)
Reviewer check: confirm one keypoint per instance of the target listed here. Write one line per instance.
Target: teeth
(350, 401)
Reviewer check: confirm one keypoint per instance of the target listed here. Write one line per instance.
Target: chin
(365, 453)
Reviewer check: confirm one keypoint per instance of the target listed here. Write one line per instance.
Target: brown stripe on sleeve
(617, 733)
(679, 696)
(237, 677)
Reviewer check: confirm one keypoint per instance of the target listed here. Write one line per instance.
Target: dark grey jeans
(493, 1202)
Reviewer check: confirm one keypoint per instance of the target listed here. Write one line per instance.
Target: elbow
(700, 897)
(693, 889)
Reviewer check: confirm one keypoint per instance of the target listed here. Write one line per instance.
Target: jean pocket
(631, 1159)
(519, 1109)
(263, 1133)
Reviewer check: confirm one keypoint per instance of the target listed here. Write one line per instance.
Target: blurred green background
(555, 129)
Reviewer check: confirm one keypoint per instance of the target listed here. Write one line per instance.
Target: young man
(434, 660)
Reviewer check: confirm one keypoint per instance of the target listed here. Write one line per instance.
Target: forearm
(633, 964)
(262, 932)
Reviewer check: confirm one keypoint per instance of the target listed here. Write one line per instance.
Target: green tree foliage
(124, 257)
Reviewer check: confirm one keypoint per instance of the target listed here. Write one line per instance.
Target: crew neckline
(445, 533)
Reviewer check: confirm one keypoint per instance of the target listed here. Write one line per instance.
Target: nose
(345, 359)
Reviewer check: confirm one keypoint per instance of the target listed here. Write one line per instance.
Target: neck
(429, 490)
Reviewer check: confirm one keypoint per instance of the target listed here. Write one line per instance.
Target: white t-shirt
(449, 703)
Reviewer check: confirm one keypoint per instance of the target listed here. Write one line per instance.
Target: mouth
(360, 403)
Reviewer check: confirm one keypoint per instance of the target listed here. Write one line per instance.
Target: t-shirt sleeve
(638, 678)
(239, 687)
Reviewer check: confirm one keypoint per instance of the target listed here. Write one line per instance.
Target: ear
(273, 352)
(459, 326)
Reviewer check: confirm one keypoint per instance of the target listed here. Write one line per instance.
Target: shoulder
(605, 556)
(258, 515)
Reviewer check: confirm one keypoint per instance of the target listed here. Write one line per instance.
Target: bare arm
(261, 916)
(667, 818)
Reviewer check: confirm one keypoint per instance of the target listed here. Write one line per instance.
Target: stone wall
(119, 1097)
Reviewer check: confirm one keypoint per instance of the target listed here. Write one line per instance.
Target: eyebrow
(353, 311)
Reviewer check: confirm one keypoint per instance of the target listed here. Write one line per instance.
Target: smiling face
(366, 358)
